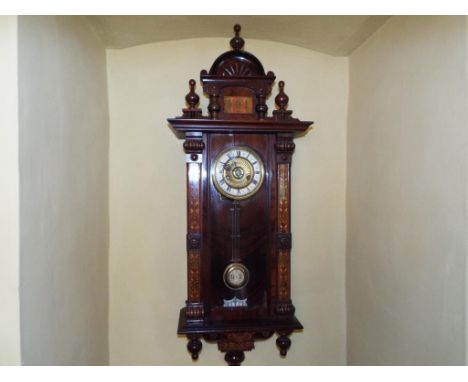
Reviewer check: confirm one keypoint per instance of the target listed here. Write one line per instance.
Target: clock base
(235, 337)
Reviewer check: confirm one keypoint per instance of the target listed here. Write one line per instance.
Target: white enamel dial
(238, 172)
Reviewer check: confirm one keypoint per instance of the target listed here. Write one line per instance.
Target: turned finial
(192, 100)
(237, 42)
(282, 98)
(281, 101)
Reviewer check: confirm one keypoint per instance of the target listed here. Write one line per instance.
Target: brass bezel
(231, 267)
(262, 172)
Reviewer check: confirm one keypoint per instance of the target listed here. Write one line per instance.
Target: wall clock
(238, 208)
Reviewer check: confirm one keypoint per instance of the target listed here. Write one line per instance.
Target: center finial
(237, 42)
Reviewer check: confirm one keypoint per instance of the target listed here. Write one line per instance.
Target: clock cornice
(268, 125)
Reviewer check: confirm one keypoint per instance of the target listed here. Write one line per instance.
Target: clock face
(236, 276)
(238, 172)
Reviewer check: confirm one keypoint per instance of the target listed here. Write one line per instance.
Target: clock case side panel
(284, 148)
(195, 158)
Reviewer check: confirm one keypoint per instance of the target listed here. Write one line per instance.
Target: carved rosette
(194, 148)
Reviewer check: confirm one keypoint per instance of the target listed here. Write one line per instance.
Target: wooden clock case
(255, 230)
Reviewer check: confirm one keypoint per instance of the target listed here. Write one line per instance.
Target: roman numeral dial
(238, 172)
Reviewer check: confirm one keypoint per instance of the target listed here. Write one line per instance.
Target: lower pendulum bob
(236, 277)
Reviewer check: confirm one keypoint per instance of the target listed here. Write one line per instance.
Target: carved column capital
(194, 311)
(193, 146)
(285, 147)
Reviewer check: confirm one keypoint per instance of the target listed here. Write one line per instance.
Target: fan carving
(237, 70)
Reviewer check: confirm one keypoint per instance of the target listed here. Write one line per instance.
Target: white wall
(10, 353)
(63, 151)
(147, 266)
(466, 212)
(407, 194)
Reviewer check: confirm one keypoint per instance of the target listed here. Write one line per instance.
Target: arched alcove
(333, 35)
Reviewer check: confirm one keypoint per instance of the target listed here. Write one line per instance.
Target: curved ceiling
(334, 35)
